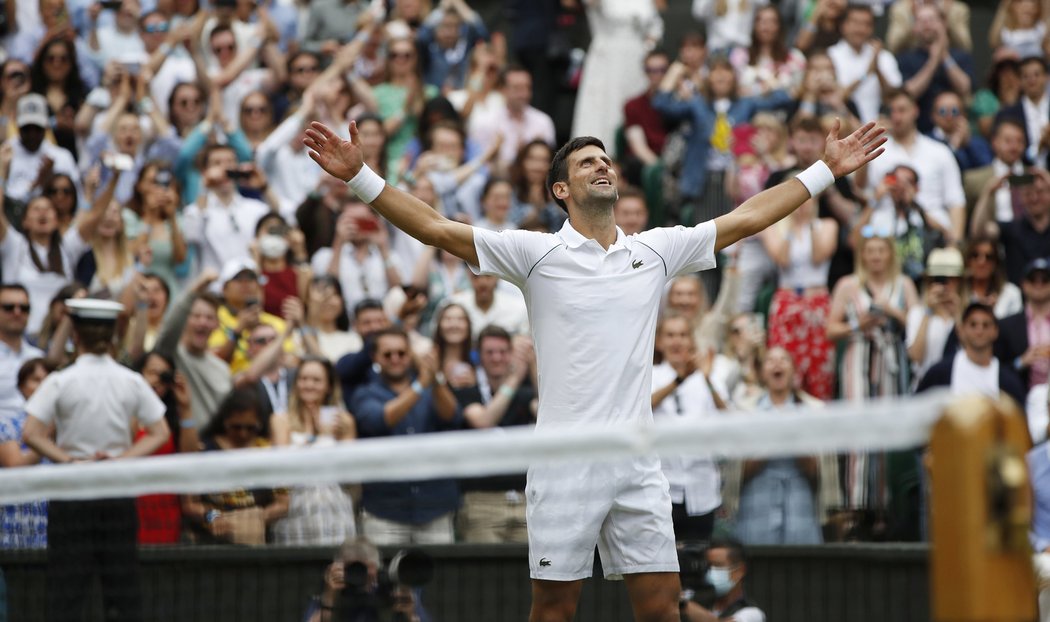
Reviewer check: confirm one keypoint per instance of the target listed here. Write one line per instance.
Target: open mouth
(604, 181)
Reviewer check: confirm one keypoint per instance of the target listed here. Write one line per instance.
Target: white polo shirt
(93, 405)
(940, 182)
(593, 312)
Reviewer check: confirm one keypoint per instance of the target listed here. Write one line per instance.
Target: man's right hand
(340, 158)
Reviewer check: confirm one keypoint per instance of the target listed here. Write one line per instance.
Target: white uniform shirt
(223, 232)
(694, 479)
(940, 182)
(851, 66)
(93, 405)
(593, 312)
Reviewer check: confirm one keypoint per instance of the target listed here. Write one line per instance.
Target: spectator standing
(863, 68)
(15, 350)
(768, 64)
(930, 324)
(183, 337)
(645, 131)
(332, 23)
(622, 31)
(400, 99)
(820, 25)
(1032, 109)
(1003, 90)
(940, 181)
(121, 41)
(801, 246)
(728, 23)
(1019, 26)
(221, 222)
(317, 515)
(93, 406)
(1008, 140)
(153, 224)
(682, 388)
(14, 77)
(778, 503)
(900, 36)
(934, 65)
(34, 160)
(504, 396)
(394, 404)
(447, 37)
(517, 121)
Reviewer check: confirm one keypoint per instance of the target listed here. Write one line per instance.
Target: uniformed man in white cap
(94, 406)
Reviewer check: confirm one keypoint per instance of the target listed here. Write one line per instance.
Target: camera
(390, 594)
(167, 378)
(692, 566)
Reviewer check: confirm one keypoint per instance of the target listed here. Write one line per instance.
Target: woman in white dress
(321, 515)
(622, 31)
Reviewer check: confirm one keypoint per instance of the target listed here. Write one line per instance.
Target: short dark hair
(1034, 59)
(735, 547)
(221, 28)
(979, 307)
(854, 8)
(16, 286)
(210, 299)
(632, 192)
(366, 305)
(1008, 122)
(390, 331)
(911, 170)
(495, 332)
(809, 125)
(236, 401)
(210, 149)
(559, 170)
(29, 367)
(94, 336)
(893, 94)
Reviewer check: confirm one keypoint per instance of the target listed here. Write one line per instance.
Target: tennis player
(593, 296)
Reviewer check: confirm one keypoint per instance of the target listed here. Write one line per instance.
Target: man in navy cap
(95, 406)
(1024, 338)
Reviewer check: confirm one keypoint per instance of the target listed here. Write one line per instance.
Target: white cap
(236, 266)
(94, 309)
(32, 110)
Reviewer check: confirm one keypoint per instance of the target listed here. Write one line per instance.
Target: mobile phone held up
(118, 162)
(111, 5)
(237, 174)
(367, 225)
(1017, 181)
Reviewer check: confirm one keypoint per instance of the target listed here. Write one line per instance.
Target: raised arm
(342, 159)
(841, 157)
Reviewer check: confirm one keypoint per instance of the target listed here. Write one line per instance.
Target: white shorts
(624, 508)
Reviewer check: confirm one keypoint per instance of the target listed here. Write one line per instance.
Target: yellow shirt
(228, 321)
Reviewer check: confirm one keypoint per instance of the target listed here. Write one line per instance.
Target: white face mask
(273, 246)
(720, 579)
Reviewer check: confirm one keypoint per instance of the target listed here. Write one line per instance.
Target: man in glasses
(14, 349)
(410, 396)
(952, 127)
(1024, 340)
(14, 83)
(169, 69)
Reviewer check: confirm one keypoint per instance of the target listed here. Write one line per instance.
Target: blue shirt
(1039, 471)
(413, 502)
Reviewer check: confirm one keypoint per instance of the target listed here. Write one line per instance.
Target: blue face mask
(719, 578)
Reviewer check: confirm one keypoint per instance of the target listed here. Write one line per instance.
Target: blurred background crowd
(152, 155)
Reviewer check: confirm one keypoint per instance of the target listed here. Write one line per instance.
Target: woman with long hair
(256, 118)
(868, 315)
(326, 314)
(56, 76)
(186, 107)
(317, 515)
(153, 224)
(985, 279)
(237, 516)
(768, 63)
(1002, 91)
(1020, 26)
(63, 194)
(400, 101)
(453, 344)
(533, 206)
(109, 267)
(801, 246)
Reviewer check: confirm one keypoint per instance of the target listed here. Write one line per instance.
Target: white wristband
(367, 185)
(817, 178)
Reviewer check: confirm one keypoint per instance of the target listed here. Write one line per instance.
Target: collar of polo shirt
(575, 239)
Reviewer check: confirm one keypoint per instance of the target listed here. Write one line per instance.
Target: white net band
(876, 425)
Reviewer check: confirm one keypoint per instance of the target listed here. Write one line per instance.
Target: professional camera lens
(411, 567)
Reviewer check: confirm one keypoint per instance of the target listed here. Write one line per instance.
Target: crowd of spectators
(152, 155)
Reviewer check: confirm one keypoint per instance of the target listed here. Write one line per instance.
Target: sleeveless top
(801, 272)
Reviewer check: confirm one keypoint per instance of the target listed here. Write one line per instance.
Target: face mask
(719, 579)
(273, 246)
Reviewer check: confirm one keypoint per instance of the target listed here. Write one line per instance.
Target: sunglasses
(1040, 278)
(155, 28)
(10, 307)
(262, 341)
(188, 102)
(870, 231)
(305, 69)
(16, 76)
(402, 55)
(983, 256)
(65, 190)
(948, 112)
(394, 354)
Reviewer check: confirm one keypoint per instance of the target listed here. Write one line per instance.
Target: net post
(980, 513)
